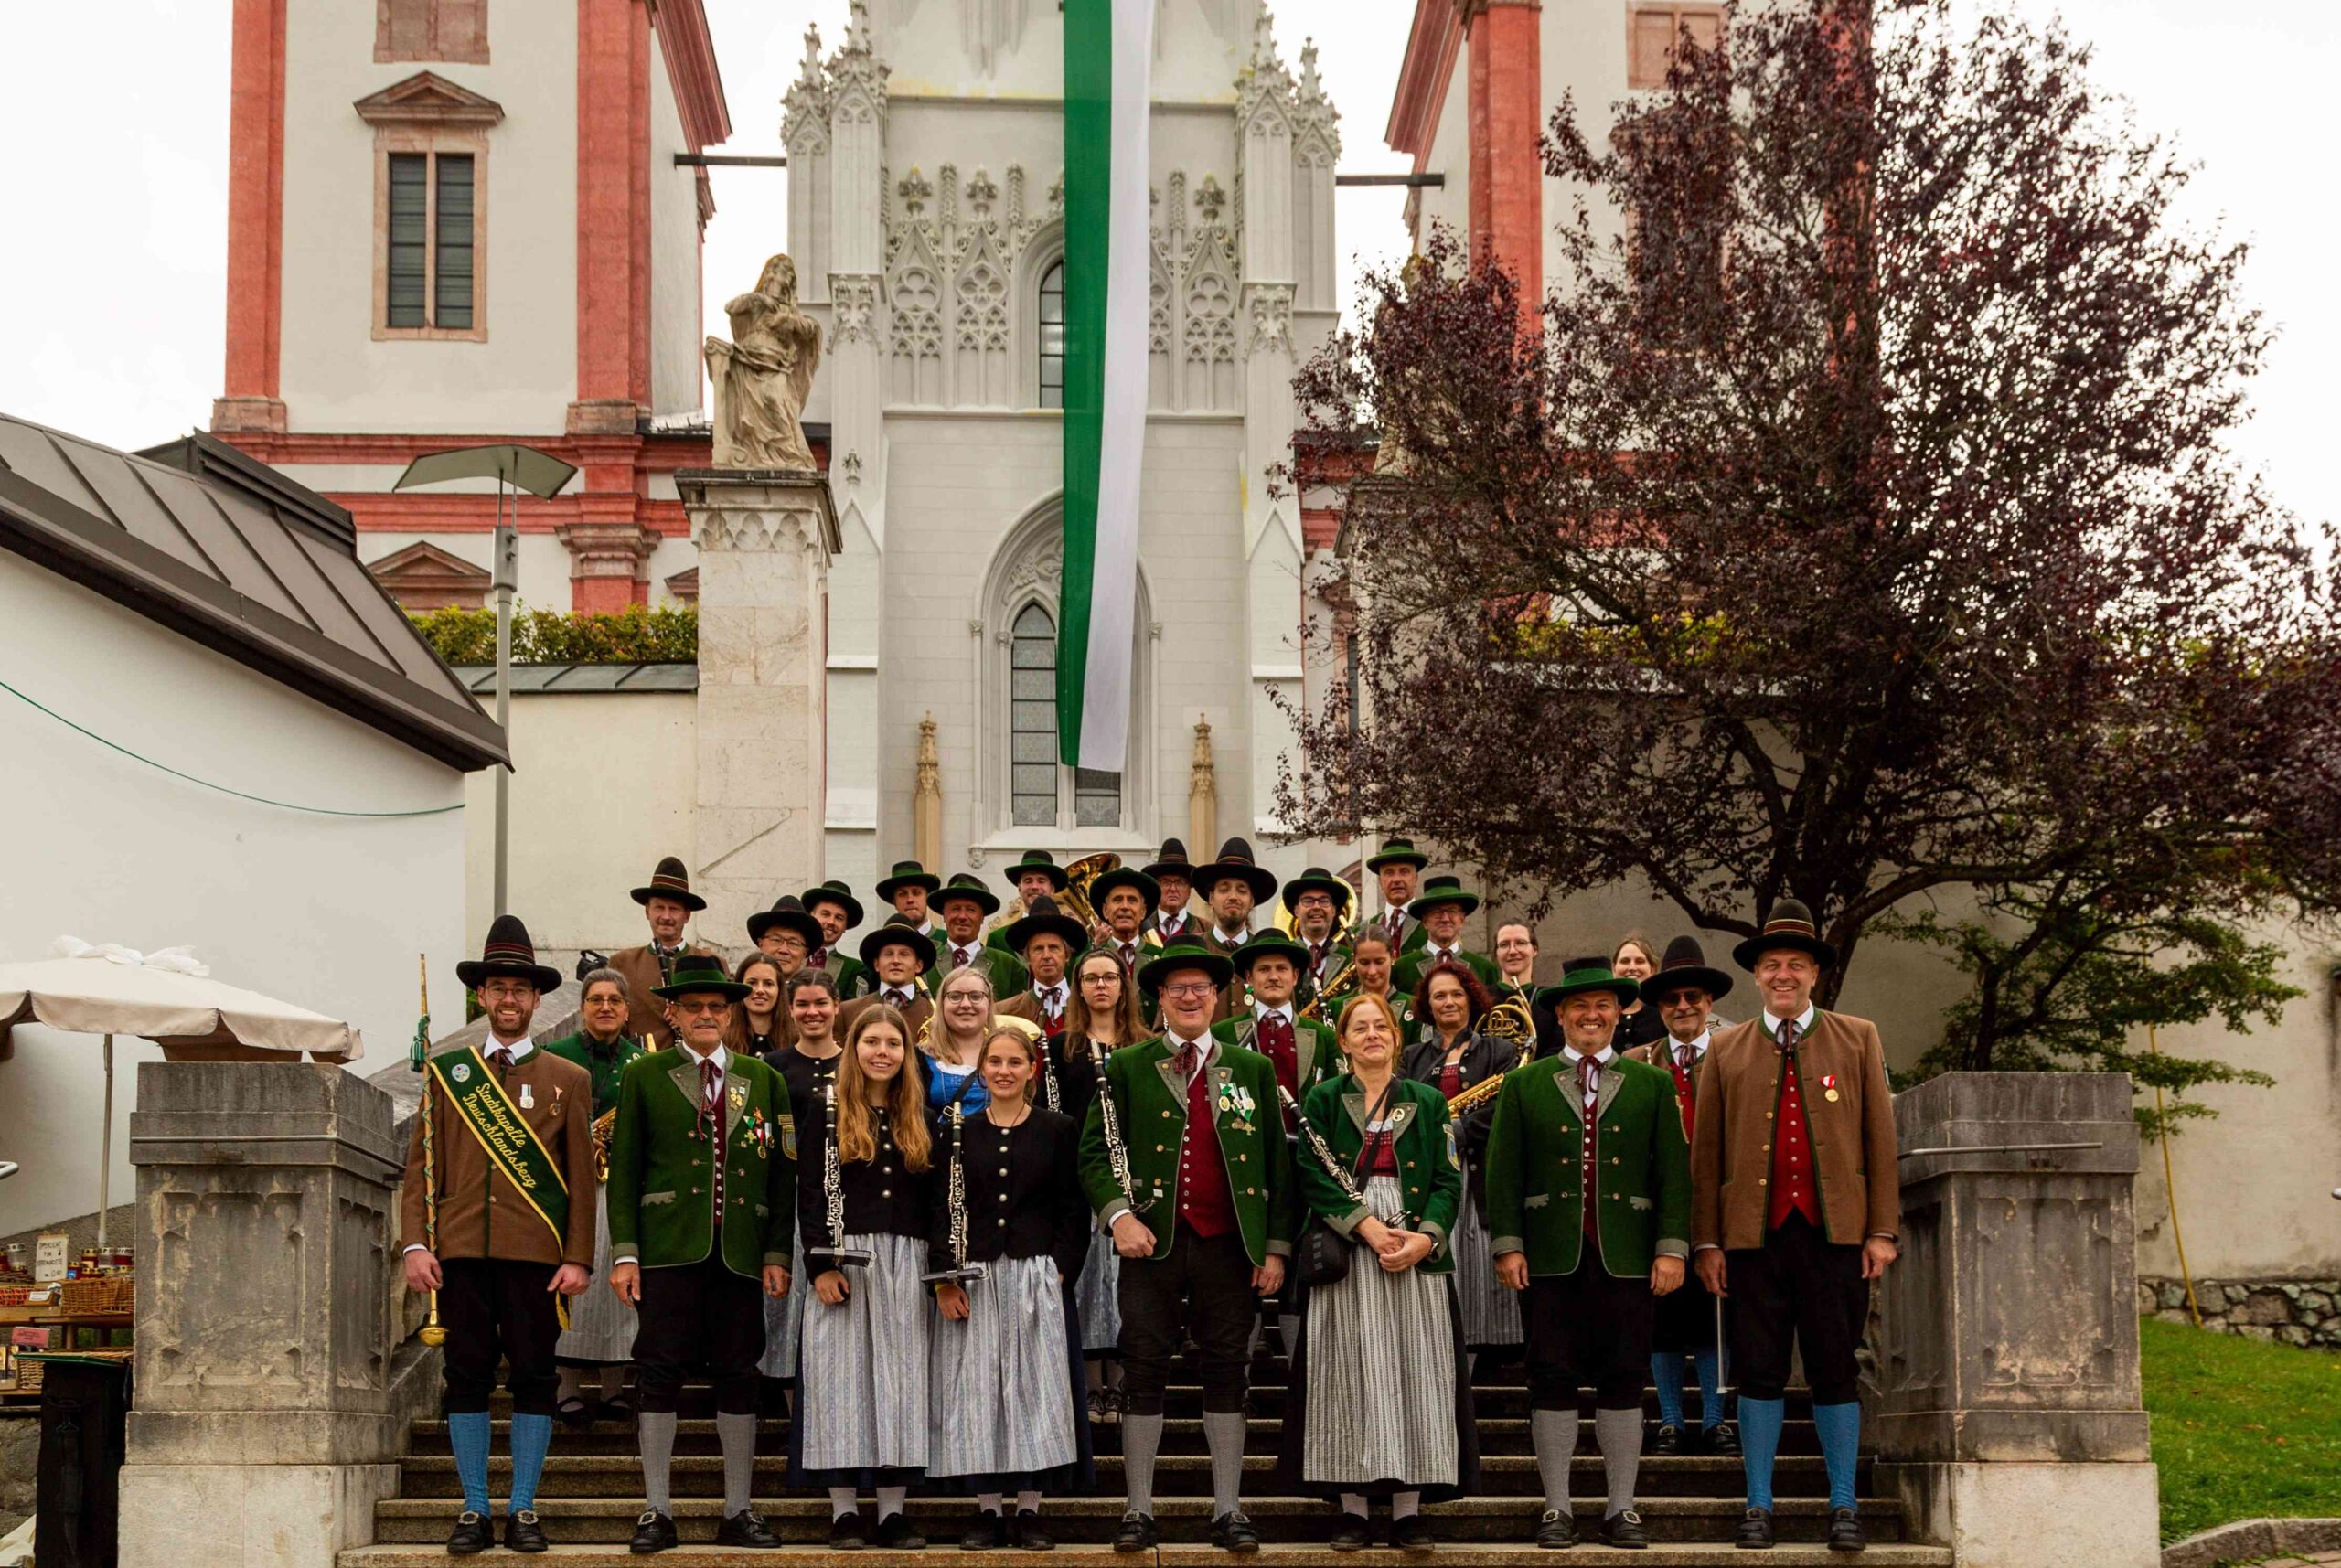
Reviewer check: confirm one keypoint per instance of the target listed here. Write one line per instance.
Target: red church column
(1506, 117)
(250, 399)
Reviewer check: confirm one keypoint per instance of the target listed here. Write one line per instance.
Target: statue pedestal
(2005, 1408)
(764, 540)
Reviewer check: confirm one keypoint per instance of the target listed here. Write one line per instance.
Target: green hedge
(632, 636)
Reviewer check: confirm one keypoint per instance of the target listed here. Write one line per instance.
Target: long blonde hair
(905, 1099)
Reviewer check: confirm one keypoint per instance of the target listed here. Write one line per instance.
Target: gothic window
(1038, 785)
(431, 30)
(1052, 338)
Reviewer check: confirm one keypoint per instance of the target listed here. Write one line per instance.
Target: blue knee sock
(1759, 1440)
(1710, 1387)
(467, 1434)
(531, 1436)
(1840, 1426)
(1666, 1373)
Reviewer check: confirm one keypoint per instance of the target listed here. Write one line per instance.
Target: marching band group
(958, 1196)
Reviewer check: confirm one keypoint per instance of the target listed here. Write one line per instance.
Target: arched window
(1053, 335)
(1037, 786)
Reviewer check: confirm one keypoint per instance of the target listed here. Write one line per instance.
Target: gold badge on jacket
(1829, 1086)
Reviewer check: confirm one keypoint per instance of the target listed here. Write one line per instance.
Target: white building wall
(675, 320)
(1450, 153)
(335, 376)
(327, 912)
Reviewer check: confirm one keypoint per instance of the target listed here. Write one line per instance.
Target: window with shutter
(410, 252)
(428, 280)
(454, 31)
(1653, 33)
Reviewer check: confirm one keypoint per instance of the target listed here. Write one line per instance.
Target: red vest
(1792, 1182)
(1278, 1045)
(1686, 1088)
(1204, 1202)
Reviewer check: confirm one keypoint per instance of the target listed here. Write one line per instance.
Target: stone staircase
(591, 1495)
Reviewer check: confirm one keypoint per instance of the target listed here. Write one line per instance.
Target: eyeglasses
(716, 1006)
(1191, 988)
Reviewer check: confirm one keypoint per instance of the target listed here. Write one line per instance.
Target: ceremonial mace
(431, 1333)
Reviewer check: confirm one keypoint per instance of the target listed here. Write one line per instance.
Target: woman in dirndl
(600, 1336)
(1004, 1368)
(807, 1064)
(1379, 1404)
(861, 1393)
(950, 1056)
(1453, 1057)
(1100, 1019)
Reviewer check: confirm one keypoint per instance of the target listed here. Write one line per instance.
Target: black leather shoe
(895, 1534)
(1845, 1531)
(1412, 1533)
(654, 1531)
(1027, 1535)
(1352, 1532)
(1556, 1531)
(848, 1532)
(1724, 1439)
(1137, 1533)
(1625, 1530)
(470, 1535)
(1755, 1532)
(1667, 1439)
(989, 1533)
(747, 1528)
(1234, 1532)
(522, 1532)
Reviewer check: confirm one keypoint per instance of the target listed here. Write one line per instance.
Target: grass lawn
(2242, 1429)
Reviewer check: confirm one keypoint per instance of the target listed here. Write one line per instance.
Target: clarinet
(1334, 1168)
(833, 1189)
(961, 1270)
(1117, 1154)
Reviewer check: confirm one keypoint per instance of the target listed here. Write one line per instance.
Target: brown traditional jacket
(647, 1019)
(921, 1008)
(1852, 1135)
(481, 1214)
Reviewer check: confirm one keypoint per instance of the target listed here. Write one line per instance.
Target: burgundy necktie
(899, 999)
(711, 1094)
(1787, 1040)
(1686, 1057)
(1129, 954)
(500, 1059)
(1316, 956)
(1589, 1075)
(1184, 1059)
(960, 958)
(820, 959)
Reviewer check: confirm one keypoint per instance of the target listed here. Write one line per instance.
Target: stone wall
(2287, 1311)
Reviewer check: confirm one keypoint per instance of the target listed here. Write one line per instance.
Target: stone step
(1496, 1399)
(1180, 1434)
(1176, 1475)
(1090, 1520)
(1660, 1555)
(1468, 1554)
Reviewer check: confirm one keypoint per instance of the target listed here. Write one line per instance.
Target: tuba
(1078, 877)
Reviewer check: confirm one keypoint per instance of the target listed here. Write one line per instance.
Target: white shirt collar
(1229, 938)
(1205, 1045)
(1051, 993)
(1804, 1023)
(1262, 1010)
(521, 1049)
(721, 1056)
(1698, 1046)
(1605, 1055)
(886, 989)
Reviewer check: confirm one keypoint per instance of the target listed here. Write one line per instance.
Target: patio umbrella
(167, 996)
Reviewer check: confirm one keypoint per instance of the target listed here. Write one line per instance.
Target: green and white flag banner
(1109, 55)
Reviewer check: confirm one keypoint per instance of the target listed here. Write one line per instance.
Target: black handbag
(1322, 1255)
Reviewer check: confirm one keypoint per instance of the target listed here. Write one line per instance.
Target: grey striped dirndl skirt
(1381, 1396)
(1002, 1399)
(600, 1327)
(784, 1318)
(1490, 1313)
(861, 1399)
(1097, 1295)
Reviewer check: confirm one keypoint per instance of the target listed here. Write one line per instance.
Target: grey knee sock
(1141, 1436)
(1621, 1434)
(987, 1502)
(1354, 1502)
(1404, 1504)
(1554, 1432)
(1224, 1435)
(656, 1430)
(890, 1501)
(1028, 1501)
(737, 1434)
(843, 1500)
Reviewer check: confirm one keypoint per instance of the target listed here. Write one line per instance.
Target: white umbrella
(167, 996)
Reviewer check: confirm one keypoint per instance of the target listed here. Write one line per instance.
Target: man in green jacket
(1443, 907)
(1193, 1178)
(702, 1194)
(963, 903)
(833, 904)
(1588, 1191)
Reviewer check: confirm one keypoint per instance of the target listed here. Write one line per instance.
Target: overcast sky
(115, 178)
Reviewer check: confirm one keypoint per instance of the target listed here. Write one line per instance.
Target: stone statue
(762, 378)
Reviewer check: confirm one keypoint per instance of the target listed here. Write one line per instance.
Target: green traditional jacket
(1406, 972)
(1430, 1169)
(852, 975)
(1316, 1049)
(1534, 1169)
(661, 1193)
(605, 1066)
(1151, 1103)
(1008, 975)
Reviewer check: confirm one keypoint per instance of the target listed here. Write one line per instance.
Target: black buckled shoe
(1625, 1530)
(895, 1534)
(472, 1534)
(1666, 1440)
(522, 1532)
(848, 1532)
(1028, 1536)
(1139, 1532)
(1233, 1532)
(654, 1531)
(989, 1533)
(1412, 1533)
(1755, 1532)
(1352, 1532)
(1845, 1531)
(1723, 1439)
(747, 1528)
(1556, 1530)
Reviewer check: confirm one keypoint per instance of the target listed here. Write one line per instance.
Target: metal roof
(559, 679)
(231, 553)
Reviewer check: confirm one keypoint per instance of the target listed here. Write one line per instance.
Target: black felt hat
(1789, 924)
(670, 881)
(1037, 860)
(786, 914)
(899, 931)
(1044, 918)
(697, 973)
(1125, 877)
(1235, 860)
(908, 874)
(1684, 967)
(1173, 859)
(839, 895)
(507, 951)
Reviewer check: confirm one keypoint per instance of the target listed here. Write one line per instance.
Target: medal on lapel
(527, 1097)
(739, 1098)
(1829, 1086)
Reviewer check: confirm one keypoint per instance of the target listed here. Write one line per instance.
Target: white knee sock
(890, 1500)
(1621, 1434)
(987, 1502)
(1404, 1504)
(843, 1500)
(1353, 1502)
(1028, 1501)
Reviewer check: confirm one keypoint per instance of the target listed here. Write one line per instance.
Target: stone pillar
(273, 1387)
(764, 540)
(1506, 117)
(2005, 1407)
(608, 564)
(1203, 789)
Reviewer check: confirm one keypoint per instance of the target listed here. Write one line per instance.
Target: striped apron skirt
(861, 1394)
(1098, 1295)
(784, 1318)
(1490, 1313)
(600, 1327)
(1002, 1400)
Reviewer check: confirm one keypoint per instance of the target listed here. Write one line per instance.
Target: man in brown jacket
(668, 903)
(1796, 1206)
(503, 1142)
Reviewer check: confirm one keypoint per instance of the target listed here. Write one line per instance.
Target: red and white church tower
(455, 221)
